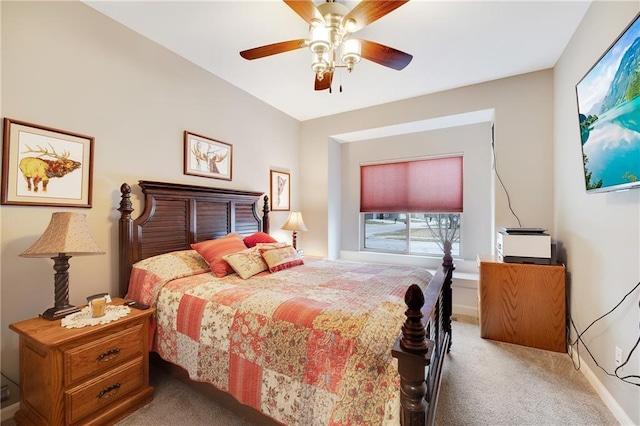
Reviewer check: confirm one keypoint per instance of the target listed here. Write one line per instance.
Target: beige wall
(67, 66)
(600, 233)
(523, 111)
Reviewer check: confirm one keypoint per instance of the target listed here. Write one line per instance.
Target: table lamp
(294, 223)
(67, 235)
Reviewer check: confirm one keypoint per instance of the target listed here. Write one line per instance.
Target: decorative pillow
(271, 245)
(246, 263)
(213, 250)
(258, 237)
(281, 258)
(148, 276)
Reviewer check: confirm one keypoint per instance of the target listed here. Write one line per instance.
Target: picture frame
(207, 157)
(280, 191)
(44, 166)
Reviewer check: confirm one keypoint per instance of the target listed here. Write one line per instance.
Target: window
(412, 207)
(412, 233)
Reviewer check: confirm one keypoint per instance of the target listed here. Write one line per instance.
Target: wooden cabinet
(90, 375)
(522, 303)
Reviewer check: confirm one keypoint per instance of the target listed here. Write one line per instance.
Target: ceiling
(453, 43)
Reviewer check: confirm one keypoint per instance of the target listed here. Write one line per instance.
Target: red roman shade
(431, 185)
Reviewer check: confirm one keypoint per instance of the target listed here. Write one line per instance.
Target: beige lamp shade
(67, 233)
(294, 222)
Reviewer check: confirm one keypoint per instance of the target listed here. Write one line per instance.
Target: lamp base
(59, 312)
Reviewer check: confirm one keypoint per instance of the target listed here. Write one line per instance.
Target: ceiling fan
(331, 25)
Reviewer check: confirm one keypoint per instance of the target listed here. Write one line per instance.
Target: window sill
(465, 269)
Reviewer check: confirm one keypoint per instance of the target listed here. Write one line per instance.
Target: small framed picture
(42, 166)
(207, 157)
(280, 191)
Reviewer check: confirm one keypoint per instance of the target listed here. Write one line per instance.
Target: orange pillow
(257, 238)
(213, 250)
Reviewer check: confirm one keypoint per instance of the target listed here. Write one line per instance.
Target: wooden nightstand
(91, 375)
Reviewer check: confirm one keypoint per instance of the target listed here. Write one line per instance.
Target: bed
(316, 342)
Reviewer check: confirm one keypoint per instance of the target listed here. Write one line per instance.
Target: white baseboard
(8, 412)
(602, 391)
(465, 310)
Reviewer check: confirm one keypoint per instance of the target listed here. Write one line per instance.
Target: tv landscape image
(609, 113)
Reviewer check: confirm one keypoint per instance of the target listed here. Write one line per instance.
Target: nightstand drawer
(102, 354)
(97, 394)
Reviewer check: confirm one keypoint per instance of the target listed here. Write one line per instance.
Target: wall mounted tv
(609, 115)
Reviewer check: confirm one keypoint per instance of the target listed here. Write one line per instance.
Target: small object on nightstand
(134, 304)
(98, 307)
(95, 296)
(98, 304)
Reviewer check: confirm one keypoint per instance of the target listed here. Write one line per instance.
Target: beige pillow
(246, 263)
(271, 245)
(280, 258)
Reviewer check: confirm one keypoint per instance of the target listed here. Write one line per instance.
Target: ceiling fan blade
(384, 55)
(325, 83)
(305, 9)
(273, 49)
(368, 11)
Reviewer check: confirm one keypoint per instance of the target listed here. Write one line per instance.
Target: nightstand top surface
(51, 333)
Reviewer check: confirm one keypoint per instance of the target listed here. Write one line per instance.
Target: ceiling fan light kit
(330, 27)
(330, 36)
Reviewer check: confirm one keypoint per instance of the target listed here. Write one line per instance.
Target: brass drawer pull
(109, 391)
(108, 355)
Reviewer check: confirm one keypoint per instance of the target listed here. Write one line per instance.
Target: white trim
(604, 394)
(465, 280)
(465, 269)
(7, 412)
(464, 310)
(444, 122)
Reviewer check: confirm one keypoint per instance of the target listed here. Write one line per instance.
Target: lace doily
(84, 318)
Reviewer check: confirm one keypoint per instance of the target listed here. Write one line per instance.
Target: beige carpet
(493, 383)
(484, 383)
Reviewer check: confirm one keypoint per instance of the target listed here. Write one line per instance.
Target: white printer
(524, 245)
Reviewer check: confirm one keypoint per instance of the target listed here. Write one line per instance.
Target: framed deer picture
(42, 166)
(207, 157)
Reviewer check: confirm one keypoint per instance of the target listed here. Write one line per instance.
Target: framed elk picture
(207, 157)
(42, 166)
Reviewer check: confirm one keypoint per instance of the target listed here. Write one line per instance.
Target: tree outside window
(412, 233)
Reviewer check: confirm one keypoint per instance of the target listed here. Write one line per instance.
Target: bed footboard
(422, 346)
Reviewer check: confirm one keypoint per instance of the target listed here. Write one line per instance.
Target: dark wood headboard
(176, 215)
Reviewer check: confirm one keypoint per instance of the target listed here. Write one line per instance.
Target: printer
(524, 245)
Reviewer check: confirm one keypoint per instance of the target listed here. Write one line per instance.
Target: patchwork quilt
(308, 345)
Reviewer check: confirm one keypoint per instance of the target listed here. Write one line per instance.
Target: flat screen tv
(609, 115)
